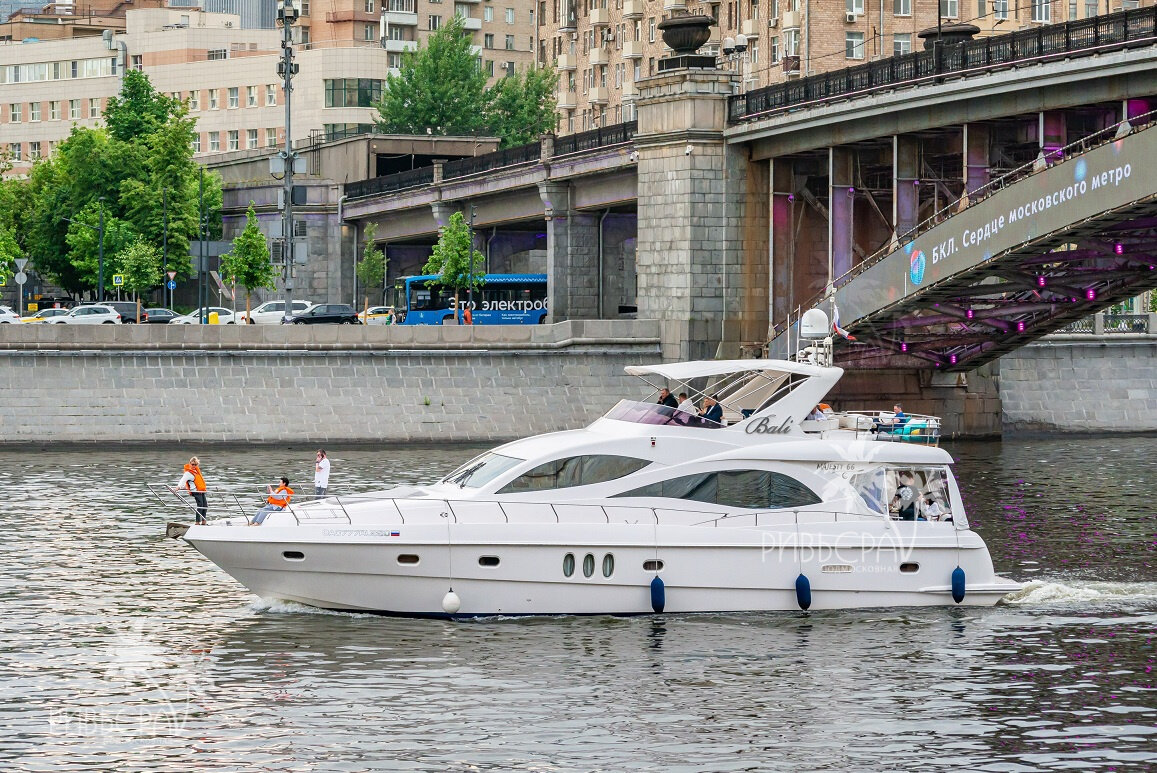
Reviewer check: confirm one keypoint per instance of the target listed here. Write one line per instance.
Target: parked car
(8, 316)
(128, 311)
(44, 315)
(89, 314)
(333, 313)
(224, 316)
(378, 315)
(271, 312)
(161, 316)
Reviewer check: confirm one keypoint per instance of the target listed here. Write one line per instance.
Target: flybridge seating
(881, 425)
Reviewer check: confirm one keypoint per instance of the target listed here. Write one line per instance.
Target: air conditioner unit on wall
(850, 18)
(773, 22)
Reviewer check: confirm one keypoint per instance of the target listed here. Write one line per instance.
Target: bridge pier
(572, 241)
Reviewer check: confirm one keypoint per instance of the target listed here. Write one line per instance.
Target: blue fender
(803, 591)
(658, 595)
(958, 585)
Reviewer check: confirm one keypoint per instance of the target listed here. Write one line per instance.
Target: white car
(8, 316)
(224, 317)
(378, 315)
(90, 314)
(44, 315)
(272, 312)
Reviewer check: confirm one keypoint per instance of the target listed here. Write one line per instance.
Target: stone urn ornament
(686, 33)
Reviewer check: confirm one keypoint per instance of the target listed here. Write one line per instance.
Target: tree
(83, 243)
(139, 110)
(372, 269)
(521, 108)
(439, 89)
(451, 258)
(140, 263)
(248, 262)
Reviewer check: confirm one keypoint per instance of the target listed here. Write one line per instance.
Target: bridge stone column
(782, 240)
(689, 262)
(976, 167)
(442, 211)
(572, 255)
(905, 172)
(841, 194)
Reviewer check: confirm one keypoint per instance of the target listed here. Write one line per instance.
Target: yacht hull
(703, 570)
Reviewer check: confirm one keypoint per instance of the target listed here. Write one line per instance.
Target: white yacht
(649, 509)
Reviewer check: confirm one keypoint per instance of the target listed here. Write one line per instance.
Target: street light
(470, 287)
(287, 12)
(733, 49)
(165, 241)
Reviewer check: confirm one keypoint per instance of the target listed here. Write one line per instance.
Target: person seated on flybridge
(893, 423)
(277, 501)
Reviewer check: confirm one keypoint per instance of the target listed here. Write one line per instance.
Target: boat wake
(1046, 592)
(281, 607)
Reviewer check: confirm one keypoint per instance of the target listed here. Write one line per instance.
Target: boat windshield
(481, 470)
(654, 413)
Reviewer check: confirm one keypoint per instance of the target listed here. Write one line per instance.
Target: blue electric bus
(504, 299)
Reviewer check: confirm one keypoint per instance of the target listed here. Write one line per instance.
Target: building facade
(602, 48)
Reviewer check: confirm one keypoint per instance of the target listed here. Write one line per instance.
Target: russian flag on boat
(395, 534)
(836, 324)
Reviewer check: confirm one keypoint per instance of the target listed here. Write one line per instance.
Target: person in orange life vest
(194, 483)
(467, 316)
(277, 500)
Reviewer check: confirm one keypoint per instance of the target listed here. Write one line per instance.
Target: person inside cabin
(932, 510)
(277, 501)
(193, 482)
(904, 502)
(817, 414)
(667, 399)
(712, 411)
(686, 404)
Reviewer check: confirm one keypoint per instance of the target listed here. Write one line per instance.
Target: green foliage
(140, 262)
(83, 243)
(450, 258)
(521, 108)
(139, 110)
(248, 263)
(371, 270)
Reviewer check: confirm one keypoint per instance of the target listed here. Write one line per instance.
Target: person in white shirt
(321, 474)
(686, 404)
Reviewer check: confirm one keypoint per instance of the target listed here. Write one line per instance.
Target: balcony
(674, 5)
(470, 23)
(600, 95)
(398, 46)
(599, 56)
(750, 28)
(633, 49)
(634, 9)
(567, 100)
(791, 20)
(475, 51)
(401, 18)
(630, 92)
(566, 63)
(569, 21)
(600, 17)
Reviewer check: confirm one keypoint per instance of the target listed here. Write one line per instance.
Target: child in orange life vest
(194, 483)
(277, 500)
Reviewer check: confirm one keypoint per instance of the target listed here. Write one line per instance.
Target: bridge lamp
(1040, 281)
(903, 346)
(1020, 326)
(1091, 294)
(740, 43)
(791, 197)
(1119, 248)
(728, 46)
(969, 314)
(851, 192)
(952, 359)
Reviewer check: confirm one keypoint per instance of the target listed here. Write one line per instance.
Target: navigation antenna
(814, 332)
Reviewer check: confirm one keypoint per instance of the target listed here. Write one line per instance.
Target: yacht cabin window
(878, 486)
(574, 471)
(481, 470)
(753, 489)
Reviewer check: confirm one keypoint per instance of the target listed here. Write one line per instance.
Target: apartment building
(603, 48)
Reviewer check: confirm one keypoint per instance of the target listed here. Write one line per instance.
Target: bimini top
(684, 371)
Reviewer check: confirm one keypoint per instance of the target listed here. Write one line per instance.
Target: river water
(124, 650)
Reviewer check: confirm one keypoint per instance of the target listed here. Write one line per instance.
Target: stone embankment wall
(1081, 384)
(313, 384)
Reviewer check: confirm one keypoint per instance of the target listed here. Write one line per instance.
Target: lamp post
(733, 49)
(287, 12)
(470, 286)
(165, 241)
(100, 257)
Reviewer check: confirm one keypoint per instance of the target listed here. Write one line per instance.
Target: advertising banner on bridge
(1106, 178)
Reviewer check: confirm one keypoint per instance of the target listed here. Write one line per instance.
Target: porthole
(293, 555)
(909, 568)
(608, 565)
(568, 565)
(408, 559)
(652, 565)
(488, 560)
(588, 565)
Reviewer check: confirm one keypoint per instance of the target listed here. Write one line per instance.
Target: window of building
(352, 92)
(901, 43)
(94, 107)
(16, 151)
(270, 96)
(234, 97)
(855, 6)
(15, 113)
(234, 139)
(1000, 9)
(651, 29)
(54, 110)
(435, 22)
(488, 14)
(902, 7)
(34, 112)
(195, 100)
(574, 471)
(305, 8)
(213, 96)
(753, 51)
(370, 32)
(510, 70)
(1072, 9)
(753, 489)
(489, 68)
(791, 42)
(251, 96)
(271, 138)
(214, 141)
(217, 53)
(509, 42)
(251, 139)
(488, 40)
(773, 49)
(369, 6)
(854, 45)
(1041, 10)
(74, 68)
(197, 142)
(510, 16)
(950, 9)
(1090, 8)
(34, 151)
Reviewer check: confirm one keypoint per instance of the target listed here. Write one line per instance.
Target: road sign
(3, 280)
(118, 280)
(20, 263)
(21, 277)
(171, 275)
(171, 285)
